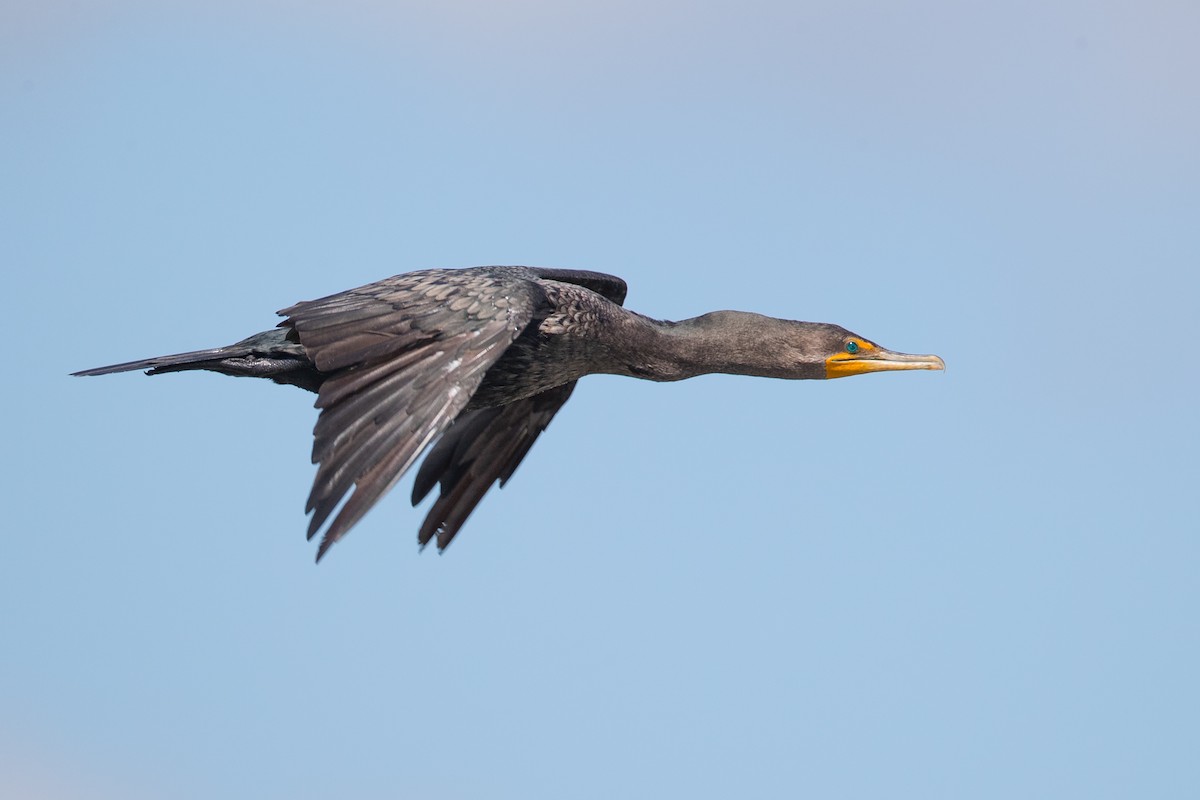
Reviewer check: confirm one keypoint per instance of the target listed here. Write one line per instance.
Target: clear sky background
(982, 583)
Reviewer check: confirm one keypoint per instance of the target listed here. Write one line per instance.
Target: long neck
(732, 342)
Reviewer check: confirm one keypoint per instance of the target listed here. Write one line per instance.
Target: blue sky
(980, 583)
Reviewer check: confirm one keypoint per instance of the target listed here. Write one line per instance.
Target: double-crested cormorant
(483, 358)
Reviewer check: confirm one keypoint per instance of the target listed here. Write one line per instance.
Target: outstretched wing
(481, 447)
(487, 445)
(403, 356)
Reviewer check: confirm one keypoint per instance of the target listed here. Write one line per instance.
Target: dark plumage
(483, 358)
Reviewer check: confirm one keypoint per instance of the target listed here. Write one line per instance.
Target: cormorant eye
(851, 347)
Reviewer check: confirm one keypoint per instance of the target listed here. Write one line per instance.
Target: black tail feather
(271, 354)
(192, 360)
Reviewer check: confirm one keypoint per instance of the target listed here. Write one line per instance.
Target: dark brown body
(476, 362)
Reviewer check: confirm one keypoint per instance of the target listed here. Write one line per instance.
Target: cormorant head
(846, 353)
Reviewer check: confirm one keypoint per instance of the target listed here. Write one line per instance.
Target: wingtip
(323, 547)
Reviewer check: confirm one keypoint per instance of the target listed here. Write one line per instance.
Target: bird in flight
(476, 362)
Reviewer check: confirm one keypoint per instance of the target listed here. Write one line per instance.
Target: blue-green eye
(851, 347)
